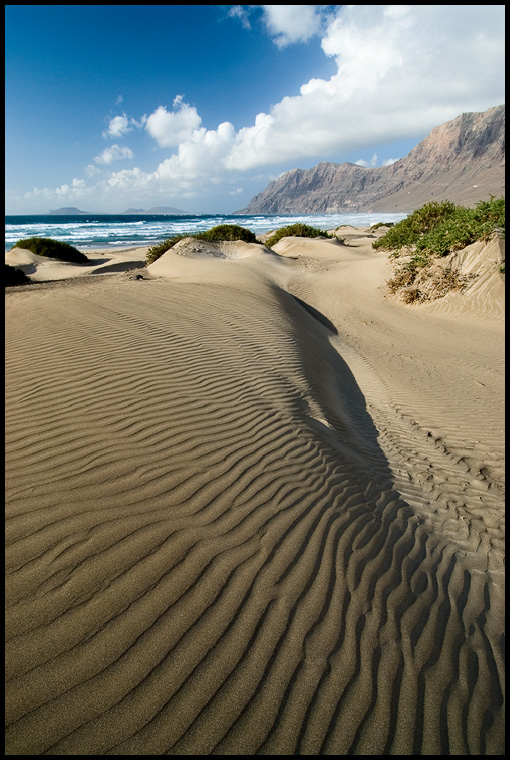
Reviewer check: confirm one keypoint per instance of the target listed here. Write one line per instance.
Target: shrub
(381, 224)
(440, 228)
(407, 232)
(13, 276)
(296, 230)
(413, 283)
(54, 249)
(228, 232)
(220, 232)
(155, 251)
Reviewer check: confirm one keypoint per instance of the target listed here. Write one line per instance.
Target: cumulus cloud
(401, 70)
(292, 23)
(238, 12)
(127, 178)
(374, 161)
(74, 191)
(117, 126)
(170, 128)
(202, 155)
(371, 163)
(91, 170)
(113, 153)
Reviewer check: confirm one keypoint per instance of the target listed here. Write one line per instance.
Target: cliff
(462, 160)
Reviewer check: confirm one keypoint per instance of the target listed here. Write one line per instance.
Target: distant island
(156, 210)
(169, 210)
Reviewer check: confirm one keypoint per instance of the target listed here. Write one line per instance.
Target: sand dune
(253, 507)
(44, 269)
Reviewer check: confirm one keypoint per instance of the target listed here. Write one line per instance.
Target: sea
(106, 231)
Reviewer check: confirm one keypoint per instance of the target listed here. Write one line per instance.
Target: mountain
(162, 210)
(462, 161)
(67, 211)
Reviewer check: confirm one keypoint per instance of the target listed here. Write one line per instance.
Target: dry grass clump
(415, 284)
(430, 235)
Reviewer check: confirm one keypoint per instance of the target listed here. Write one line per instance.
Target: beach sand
(254, 505)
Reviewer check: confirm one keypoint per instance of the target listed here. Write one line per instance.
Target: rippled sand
(253, 507)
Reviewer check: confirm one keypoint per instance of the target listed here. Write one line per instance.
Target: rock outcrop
(462, 160)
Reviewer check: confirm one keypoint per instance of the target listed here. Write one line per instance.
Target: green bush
(438, 228)
(13, 276)
(381, 224)
(435, 230)
(228, 232)
(221, 232)
(296, 230)
(155, 251)
(54, 249)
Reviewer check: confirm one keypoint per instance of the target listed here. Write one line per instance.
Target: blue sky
(200, 106)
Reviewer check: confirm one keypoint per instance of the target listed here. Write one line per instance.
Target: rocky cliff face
(462, 161)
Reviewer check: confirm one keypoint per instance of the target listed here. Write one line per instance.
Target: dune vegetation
(235, 232)
(14, 276)
(432, 232)
(220, 232)
(54, 249)
(296, 230)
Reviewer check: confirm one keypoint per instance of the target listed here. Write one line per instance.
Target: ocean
(124, 231)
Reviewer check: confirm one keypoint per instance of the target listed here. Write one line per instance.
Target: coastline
(254, 506)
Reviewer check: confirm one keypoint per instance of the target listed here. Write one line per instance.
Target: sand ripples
(207, 553)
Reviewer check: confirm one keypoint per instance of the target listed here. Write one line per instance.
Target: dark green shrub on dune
(296, 230)
(438, 228)
(155, 251)
(219, 233)
(13, 276)
(228, 232)
(376, 226)
(53, 249)
(430, 233)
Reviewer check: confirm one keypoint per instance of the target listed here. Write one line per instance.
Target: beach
(254, 504)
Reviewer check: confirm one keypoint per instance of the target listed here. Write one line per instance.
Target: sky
(199, 107)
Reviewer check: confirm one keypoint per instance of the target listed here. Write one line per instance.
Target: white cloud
(113, 153)
(118, 126)
(91, 170)
(127, 179)
(401, 70)
(389, 161)
(238, 12)
(170, 128)
(374, 161)
(75, 191)
(371, 163)
(202, 155)
(292, 23)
